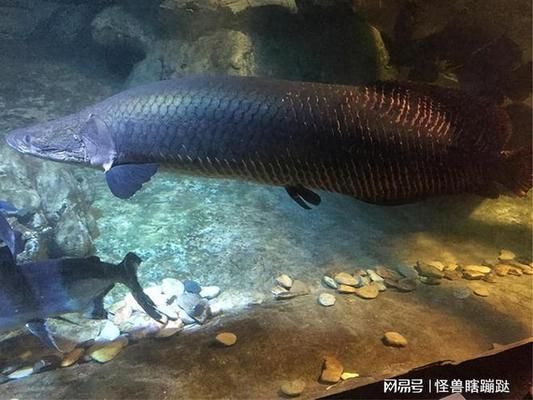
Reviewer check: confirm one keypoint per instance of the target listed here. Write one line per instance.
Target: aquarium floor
(287, 340)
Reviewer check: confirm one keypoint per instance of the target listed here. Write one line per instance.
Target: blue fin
(8, 236)
(125, 179)
(39, 328)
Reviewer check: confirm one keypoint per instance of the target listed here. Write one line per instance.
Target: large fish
(32, 292)
(385, 143)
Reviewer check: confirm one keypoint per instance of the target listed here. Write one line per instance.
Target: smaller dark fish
(32, 292)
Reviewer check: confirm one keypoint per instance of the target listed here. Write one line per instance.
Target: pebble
(477, 268)
(359, 272)
(470, 275)
(407, 271)
(191, 286)
(293, 388)
(284, 280)
(170, 329)
(501, 269)
(525, 268)
(330, 282)
(481, 291)
(437, 264)
(428, 270)
(387, 273)
(462, 292)
(345, 289)
(122, 314)
(451, 267)
(104, 352)
(490, 278)
(326, 299)
(172, 287)
(452, 275)
(277, 290)
(186, 318)
(72, 357)
(514, 271)
(299, 288)
(368, 292)
(349, 375)
(226, 338)
(108, 333)
(332, 370)
(374, 277)
(506, 255)
(344, 278)
(394, 339)
(403, 285)
(21, 372)
(209, 292)
(381, 286)
(430, 280)
(47, 363)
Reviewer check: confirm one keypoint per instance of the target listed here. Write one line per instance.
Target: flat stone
(452, 275)
(515, 271)
(122, 314)
(394, 339)
(209, 292)
(360, 272)
(277, 290)
(349, 375)
(403, 285)
(477, 268)
(428, 271)
(437, 264)
(328, 281)
(462, 292)
(170, 328)
(368, 292)
(381, 286)
(192, 286)
(186, 318)
(374, 277)
(407, 271)
(502, 269)
(72, 357)
(490, 278)
(293, 388)
(21, 372)
(525, 268)
(387, 273)
(47, 363)
(226, 338)
(332, 370)
(345, 289)
(506, 255)
(104, 352)
(326, 299)
(470, 275)
(284, 280)
(108, 333)
(481, 291)
(430, 280)
(344, 278)
(451, 267)
(172, 287)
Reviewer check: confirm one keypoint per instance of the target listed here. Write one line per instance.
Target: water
(241, 236)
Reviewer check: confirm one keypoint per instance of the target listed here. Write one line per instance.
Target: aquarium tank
(262, 199)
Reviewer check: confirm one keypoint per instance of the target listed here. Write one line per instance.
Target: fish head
(57, 140)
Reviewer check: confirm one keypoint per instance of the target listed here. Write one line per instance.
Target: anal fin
(39, 328)
(303, 196)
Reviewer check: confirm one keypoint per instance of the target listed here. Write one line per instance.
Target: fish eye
(27, 139)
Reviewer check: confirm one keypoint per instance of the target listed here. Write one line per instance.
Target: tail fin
(128, 271)
(515, 171)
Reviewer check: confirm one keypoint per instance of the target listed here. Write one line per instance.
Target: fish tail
(515, 171)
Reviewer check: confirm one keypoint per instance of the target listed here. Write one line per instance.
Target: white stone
(477, 268)
(108, 333)
(330, 282)
(172, 287)
(506, 255)
(209, 292)
(171, 328)
(344, 278)
(186, 318)
(21, 372)
(284, 280)
(437, 264)
(374, 277)
(326, 299)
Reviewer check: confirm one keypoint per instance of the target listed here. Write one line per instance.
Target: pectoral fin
(97, 310)
(126, 179)
(39, 328)
(303, 196)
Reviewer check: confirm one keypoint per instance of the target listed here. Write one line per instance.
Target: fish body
(385, 143)
(32, 292)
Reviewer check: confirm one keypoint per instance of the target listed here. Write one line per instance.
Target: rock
(72, 357)
(473, 275)
(387, 273)
(514, 271)
(428, 270)
(345, 289)
(437, 264)
(407, 271)
(194, 305)
(108, 333)
(525, 268)
(122, 314)
(462, 292)
(277, 290)
(394, 339)
(481, 291)
(368, 292)
(226, 338)
(191, 286)
(170, 328)
(506, 255)
(381, 286)
(284, 280)
(80, 331)
(477, 268)
(186, 318)
(172, 287)
(360, 273)
(403, 285)
(332, 370)
(452, 275)
(104, 352)
(326, 299)
(329, 282)
(528, 271)
(490, 278)
(374, 277)
(450, 267)
(344, 278)
(140, 326)
(47, 363)
(22, 372)
(349, 375)
(430, 280)
(209, 292)
(501, 269)
(293, 388)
